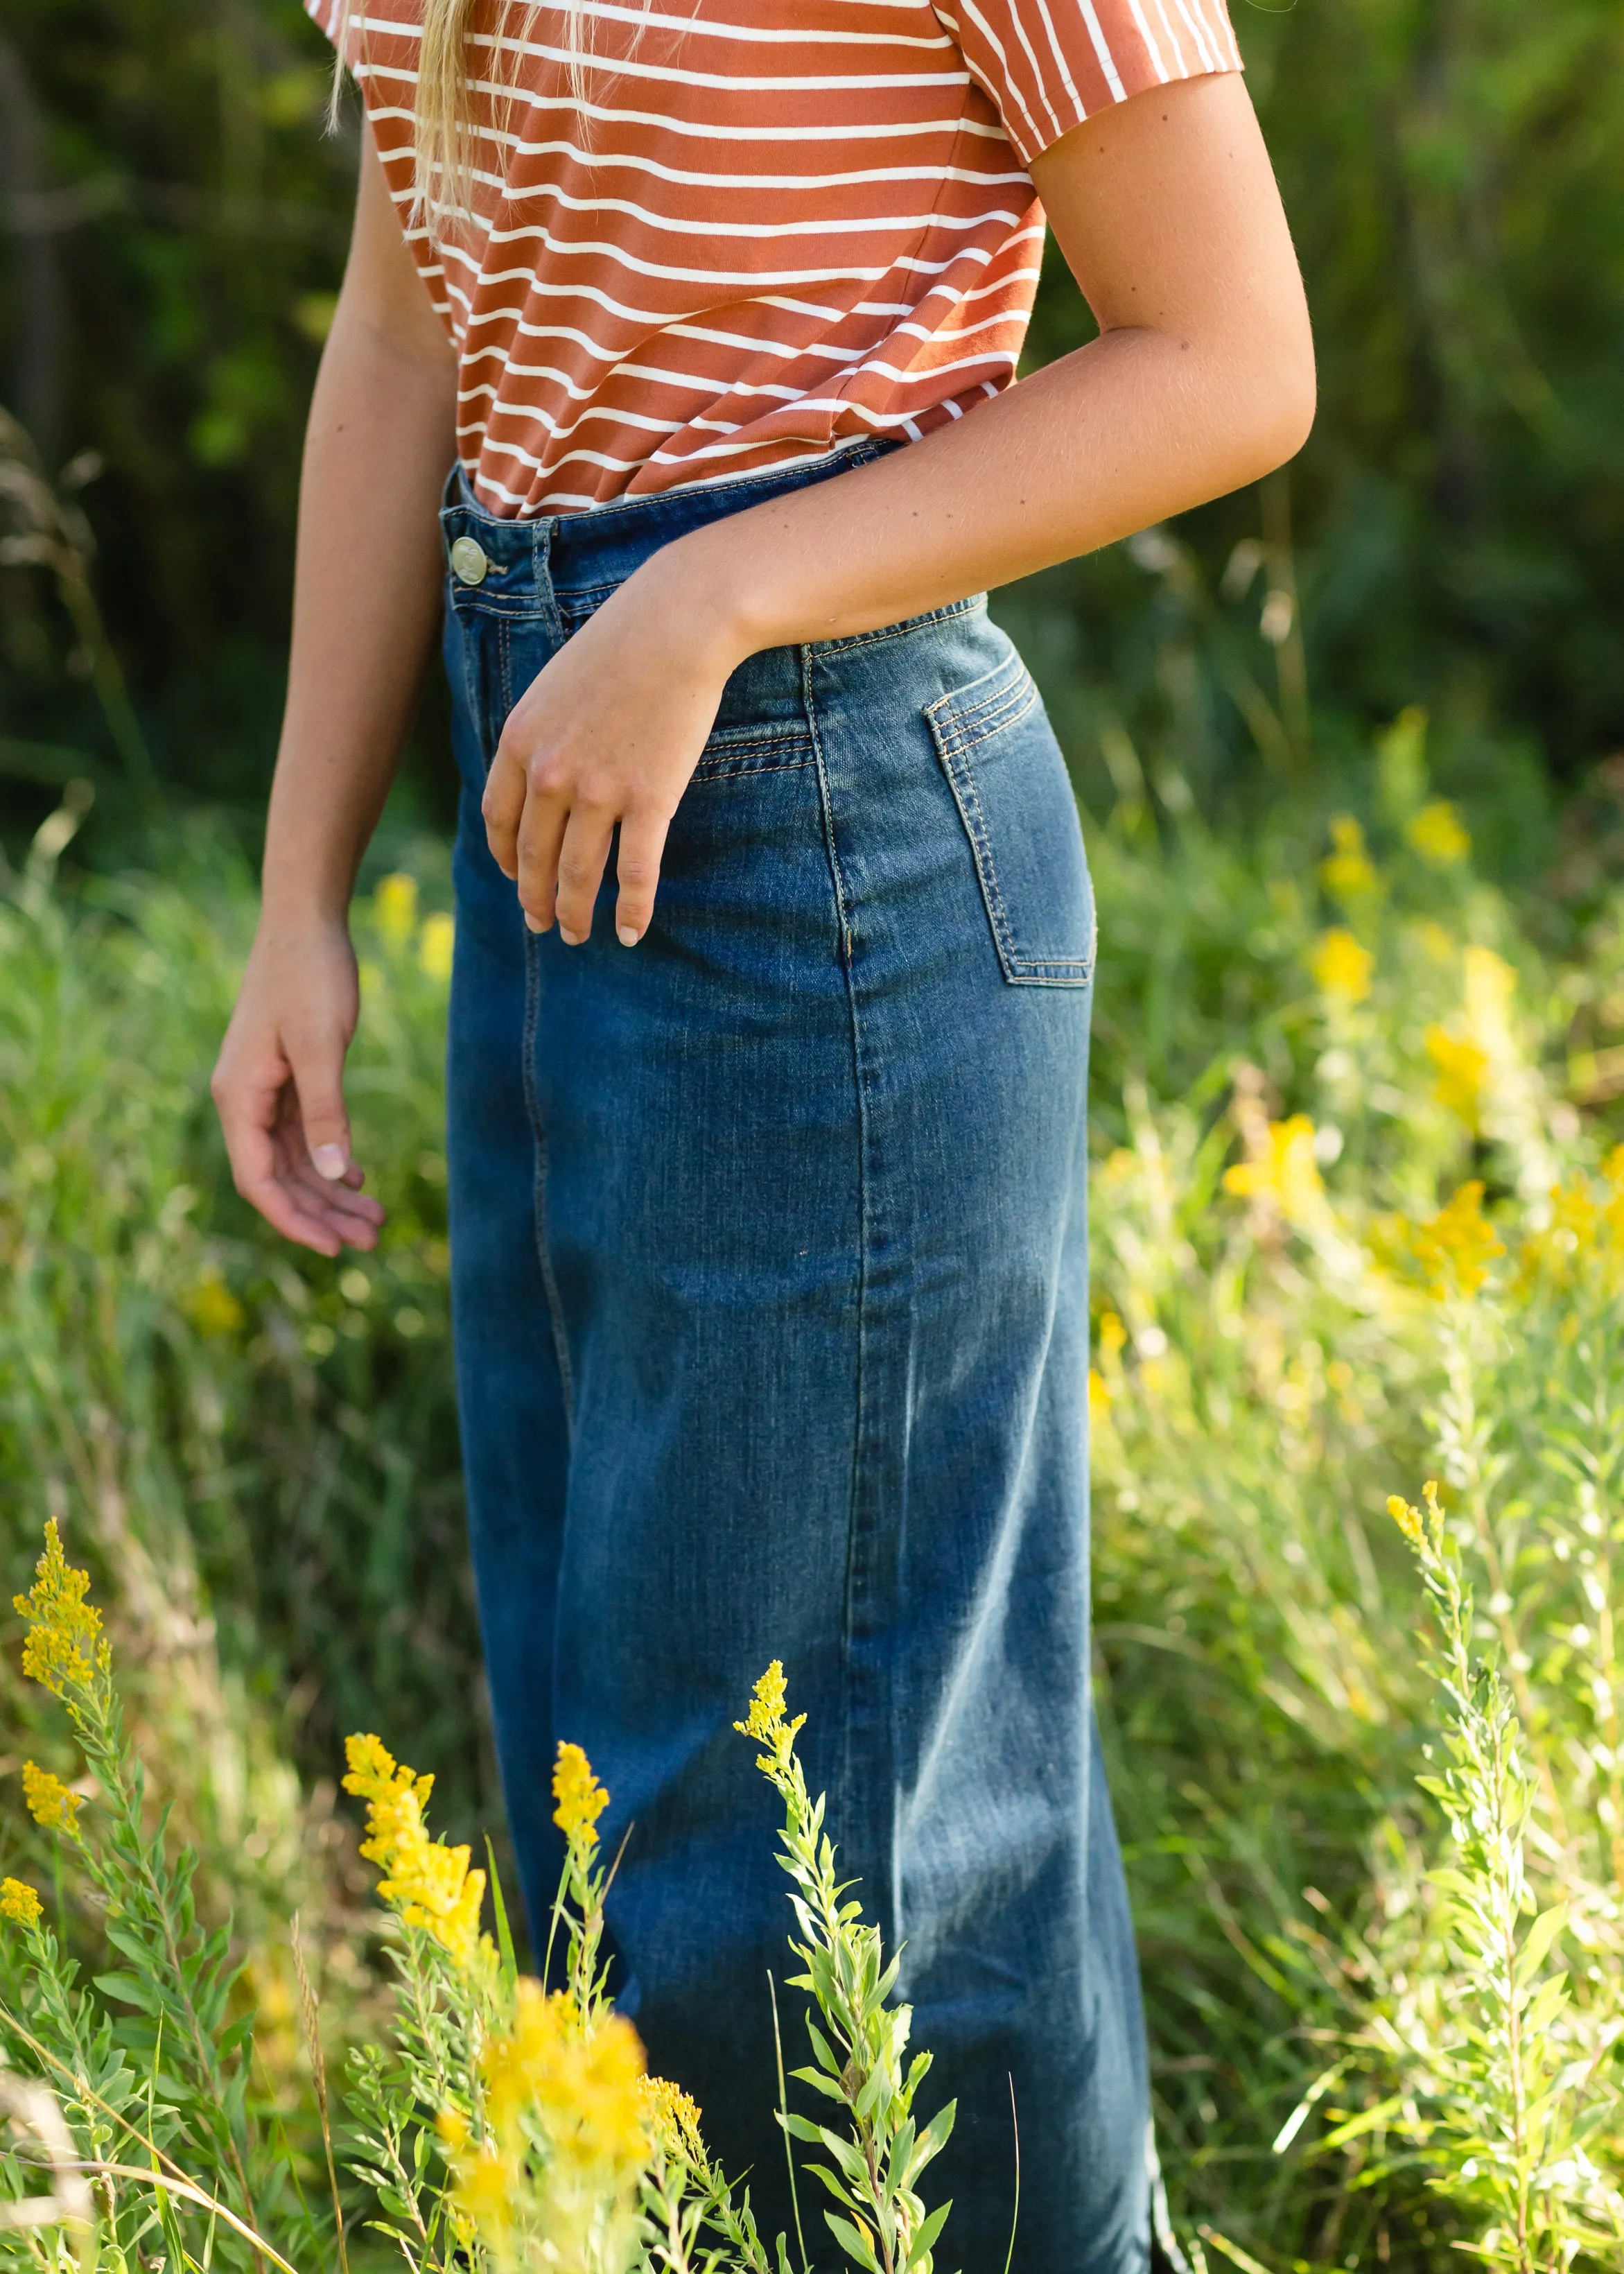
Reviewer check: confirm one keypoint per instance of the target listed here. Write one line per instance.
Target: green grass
(255, 1450)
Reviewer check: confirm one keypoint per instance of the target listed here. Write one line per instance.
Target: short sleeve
(1048, 65)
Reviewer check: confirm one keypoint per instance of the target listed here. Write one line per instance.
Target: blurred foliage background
(256, 1450)
(174, 224)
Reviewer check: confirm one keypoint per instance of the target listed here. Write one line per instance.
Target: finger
(318, 1102)
(541, 833)
(340, 1210)
(581, 861)
(284, 1210)
(249, 1113)
(643, 842)
(503, 807)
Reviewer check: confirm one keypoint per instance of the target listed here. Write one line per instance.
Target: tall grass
(1358, 1222)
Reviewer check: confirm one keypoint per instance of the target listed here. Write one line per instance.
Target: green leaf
(934, 2138)
(499, 1907)
(1538, 1940)
(130, 1990)
(847, 2235)
(824, 2051)
(924, 2241)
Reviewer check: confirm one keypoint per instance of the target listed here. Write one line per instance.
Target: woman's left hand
(607, 734)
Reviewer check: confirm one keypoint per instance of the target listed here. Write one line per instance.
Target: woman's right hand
(279, 1089)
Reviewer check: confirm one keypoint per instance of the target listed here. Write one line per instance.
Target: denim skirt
(769, 1269)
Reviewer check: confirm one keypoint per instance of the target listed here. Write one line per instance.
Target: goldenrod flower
(486, 2187)
(435, 943)
(1576, 1221)
(1288, 1175)
(50, 1802)
(1407, 1519)
(427, 1884)
(62, 1650)
(1456, 1246)
(581, 2087)
(1436, 835)
(1346, 872)
(765, 1721)
(1462, 1069)
(580, 1799)
(214, 1309)
(673, 2118)
(19, 1903)
(394, 909)
(1341, 967)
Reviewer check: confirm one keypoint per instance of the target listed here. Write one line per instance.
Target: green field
(1358, 1222)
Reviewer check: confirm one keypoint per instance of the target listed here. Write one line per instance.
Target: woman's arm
(366, 605)
(1201, 380)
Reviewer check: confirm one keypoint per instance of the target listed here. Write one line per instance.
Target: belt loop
(541, 570)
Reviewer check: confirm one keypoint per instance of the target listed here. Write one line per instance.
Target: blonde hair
(442, 128)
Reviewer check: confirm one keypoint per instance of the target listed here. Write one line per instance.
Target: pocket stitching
(729, 764)
(1003, 707)
(748, 748)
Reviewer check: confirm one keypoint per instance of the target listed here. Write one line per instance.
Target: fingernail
(533, 923)
(571, 938)
(626, 937)
(331, 1162)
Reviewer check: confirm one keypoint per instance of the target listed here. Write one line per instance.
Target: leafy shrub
(499, 2124)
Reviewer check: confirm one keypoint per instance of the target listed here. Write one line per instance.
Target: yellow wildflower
(1341, 967)
(482, 2198)
(1576, 1220)
(1436, 834)
(582, 2088)
(1287, 1176)
(1456, 1246)
(62, 1650)
(1114, 1335)
(1435, 940)
(673, 2118)
(214, 1308)
(765, 1721)
(435, 943)
(394, 909)
(1098, 1398)
(1406, 1518)
(427, 1884)
(1491, 983)
(1417, 1528)
(567, 2131)
(580, 1799)
(1346, 872)
(1462, 1069)
(19, 1903)
(50, 1802)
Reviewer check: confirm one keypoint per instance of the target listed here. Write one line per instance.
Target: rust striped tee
(767, 227)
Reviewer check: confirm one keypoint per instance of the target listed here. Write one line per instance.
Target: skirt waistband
(579, 553)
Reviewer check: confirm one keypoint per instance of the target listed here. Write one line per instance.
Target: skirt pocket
(1009, 783)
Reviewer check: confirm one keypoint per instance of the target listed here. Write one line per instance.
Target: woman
(774, 943)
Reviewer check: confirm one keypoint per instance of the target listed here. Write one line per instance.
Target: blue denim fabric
(769, 1268)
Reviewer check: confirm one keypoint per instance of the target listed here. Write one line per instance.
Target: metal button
(468, 564)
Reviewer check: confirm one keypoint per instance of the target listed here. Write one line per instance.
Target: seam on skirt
(856, 1511)
(538, 1189)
